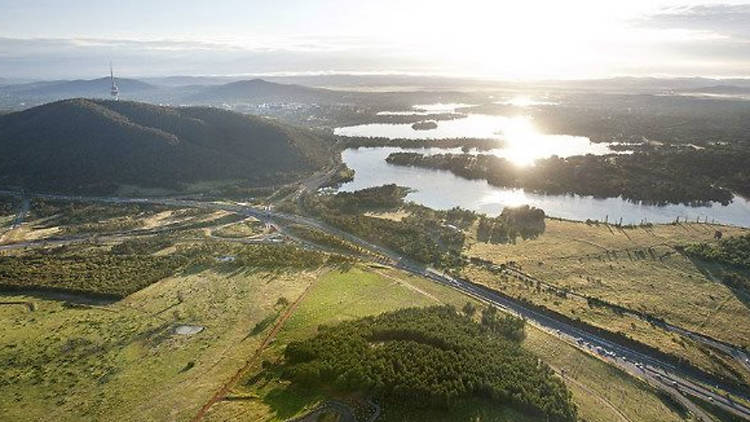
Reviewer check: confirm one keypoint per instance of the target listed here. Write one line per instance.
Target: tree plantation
(430, 357)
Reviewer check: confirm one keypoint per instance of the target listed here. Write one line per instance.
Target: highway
(729, 349)
(654, 371)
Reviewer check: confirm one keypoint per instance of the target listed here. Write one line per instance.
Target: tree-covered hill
(93, 146)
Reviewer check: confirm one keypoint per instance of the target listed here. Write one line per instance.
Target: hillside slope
(94, 145)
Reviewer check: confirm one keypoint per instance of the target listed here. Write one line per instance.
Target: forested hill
(93, 146)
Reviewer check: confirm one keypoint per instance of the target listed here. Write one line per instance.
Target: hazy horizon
(535, 40)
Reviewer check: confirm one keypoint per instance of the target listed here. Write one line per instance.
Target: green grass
(122, 362)
(597, 386)
(340, 296)
(240, 230)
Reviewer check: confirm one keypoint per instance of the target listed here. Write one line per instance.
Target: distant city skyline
(487, 39)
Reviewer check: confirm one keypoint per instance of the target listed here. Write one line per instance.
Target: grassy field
(124, 361)
(637, 268)
(247, 228)
(362, 291)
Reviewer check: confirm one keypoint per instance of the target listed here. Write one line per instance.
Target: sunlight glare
(508, 198)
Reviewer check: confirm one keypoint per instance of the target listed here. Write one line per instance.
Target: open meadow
(637, 268)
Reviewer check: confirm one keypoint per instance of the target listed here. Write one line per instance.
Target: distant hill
(95, 145)
(722, 90)
(179, 81)
(260, 91)
(98, 88)
(631, 85)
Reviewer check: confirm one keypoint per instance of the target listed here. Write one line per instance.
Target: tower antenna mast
(114, 91)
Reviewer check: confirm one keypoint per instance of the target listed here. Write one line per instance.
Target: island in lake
(425, 125)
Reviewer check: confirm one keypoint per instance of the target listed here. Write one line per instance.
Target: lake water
(522, 142)
(442, 190)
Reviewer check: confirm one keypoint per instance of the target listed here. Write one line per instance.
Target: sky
(524, 39)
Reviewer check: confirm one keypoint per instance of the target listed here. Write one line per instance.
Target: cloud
(712, 40)
(729, 20)
(89, 57)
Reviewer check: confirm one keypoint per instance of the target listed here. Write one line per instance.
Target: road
(636, 363)
(661, 374)
(729, 349)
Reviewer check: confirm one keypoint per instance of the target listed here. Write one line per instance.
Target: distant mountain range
(640, 84)
(722, 90)
(95, 88)
(95, 146)
(254, 91)
(348, 88)
(371, 91)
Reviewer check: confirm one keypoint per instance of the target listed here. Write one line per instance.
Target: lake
(522, 144)
(441, 189)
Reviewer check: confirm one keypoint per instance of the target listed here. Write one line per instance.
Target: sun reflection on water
(522, 142)
(508, 198)
(525, 101)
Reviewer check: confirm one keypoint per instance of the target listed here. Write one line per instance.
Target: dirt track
(224, 390)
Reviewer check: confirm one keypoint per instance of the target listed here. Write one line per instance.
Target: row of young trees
(131, 265)
(97, 273)
(430, 357)
(733, 251)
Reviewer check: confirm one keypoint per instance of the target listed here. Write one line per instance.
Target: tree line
(481, 144)
(524, 221)
(734, 251)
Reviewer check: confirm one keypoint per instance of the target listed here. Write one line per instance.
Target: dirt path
(408, 286)
(224, 390)
(593, 393)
